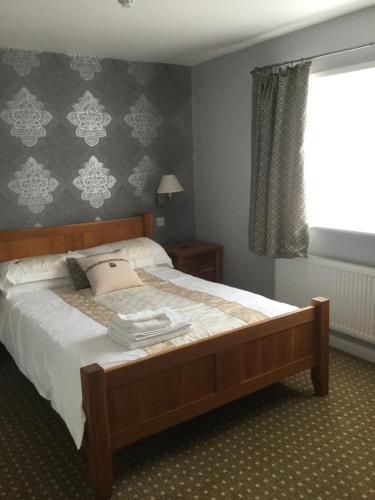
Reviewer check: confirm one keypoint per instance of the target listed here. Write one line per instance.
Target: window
(340, 151)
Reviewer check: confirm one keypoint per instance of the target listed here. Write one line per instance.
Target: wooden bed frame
(128, 402)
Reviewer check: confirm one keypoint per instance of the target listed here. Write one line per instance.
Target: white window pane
(340, 151)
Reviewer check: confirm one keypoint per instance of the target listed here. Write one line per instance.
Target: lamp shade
(169, 184)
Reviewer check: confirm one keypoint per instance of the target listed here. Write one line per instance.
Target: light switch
(160, 221)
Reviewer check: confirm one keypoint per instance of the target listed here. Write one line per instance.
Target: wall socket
(160, 221)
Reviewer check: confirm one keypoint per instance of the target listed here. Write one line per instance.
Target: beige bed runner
(209, 314)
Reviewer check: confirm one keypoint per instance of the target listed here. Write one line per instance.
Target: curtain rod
(325, 54)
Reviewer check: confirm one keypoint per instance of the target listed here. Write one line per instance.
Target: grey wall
(143, 131)
(221, 124)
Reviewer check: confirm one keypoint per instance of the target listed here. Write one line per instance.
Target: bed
(128, 397)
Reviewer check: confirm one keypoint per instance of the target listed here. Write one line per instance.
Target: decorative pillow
(109, 272)
(79, 278)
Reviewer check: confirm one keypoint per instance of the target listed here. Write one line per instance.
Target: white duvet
(50, 341)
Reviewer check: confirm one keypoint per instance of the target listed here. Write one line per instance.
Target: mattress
(51, 336)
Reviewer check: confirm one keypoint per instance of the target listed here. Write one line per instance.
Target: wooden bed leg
(320, 372)
(97, 430)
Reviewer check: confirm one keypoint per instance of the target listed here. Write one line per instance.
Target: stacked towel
(144, 328)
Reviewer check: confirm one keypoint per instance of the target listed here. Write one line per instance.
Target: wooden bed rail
(126, 403)
(60, 239)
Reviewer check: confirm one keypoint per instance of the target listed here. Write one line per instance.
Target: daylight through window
(340, 151)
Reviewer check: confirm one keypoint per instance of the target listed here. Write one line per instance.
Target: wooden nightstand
(199, 259)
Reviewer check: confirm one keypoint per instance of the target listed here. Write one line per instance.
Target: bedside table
(194, 257)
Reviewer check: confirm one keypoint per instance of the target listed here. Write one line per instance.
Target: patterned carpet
(280, 443)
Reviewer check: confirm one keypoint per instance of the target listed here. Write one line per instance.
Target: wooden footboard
(129, 402)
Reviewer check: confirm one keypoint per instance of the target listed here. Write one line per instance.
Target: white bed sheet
(50, 341)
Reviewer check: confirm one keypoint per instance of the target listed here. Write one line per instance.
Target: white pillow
(142, 252)
(85, 252)
(14, 290)
(30, 269)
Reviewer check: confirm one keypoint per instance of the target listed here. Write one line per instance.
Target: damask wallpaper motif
(94, 182)
(89, 118)
(33, 184)
(27, 117)
(84, 138)
(21, 60)
(141, 175)
(144, 120)
(141, 72)
(86, 65)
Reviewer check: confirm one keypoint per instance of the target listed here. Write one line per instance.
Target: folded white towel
(131, 344)
(147, 327)
(146, 335)
(147, 321)
(144, 315)
(161, 321)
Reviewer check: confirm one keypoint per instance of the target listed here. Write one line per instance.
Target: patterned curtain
(277, 225)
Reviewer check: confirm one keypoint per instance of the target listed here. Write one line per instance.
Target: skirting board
(351, 345)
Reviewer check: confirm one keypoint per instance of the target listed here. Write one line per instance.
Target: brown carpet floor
(280, 443)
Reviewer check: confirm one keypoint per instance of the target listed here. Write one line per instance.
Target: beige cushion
(108, 272)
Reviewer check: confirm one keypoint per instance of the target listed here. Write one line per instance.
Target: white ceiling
(174, 31)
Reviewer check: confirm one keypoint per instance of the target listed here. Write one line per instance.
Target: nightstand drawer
(196, 258)
(203, 263)
(206, 274)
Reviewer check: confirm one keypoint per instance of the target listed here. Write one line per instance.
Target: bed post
(97, 430)
(319, 372)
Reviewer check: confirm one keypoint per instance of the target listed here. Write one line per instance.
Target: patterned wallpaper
(84, 138)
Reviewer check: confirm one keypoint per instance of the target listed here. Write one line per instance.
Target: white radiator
(350, 287)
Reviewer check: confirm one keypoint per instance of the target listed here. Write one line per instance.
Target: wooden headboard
(61, 239)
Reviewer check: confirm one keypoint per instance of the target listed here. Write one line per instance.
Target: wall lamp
(169, 184)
